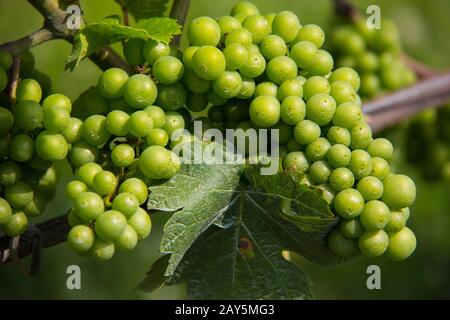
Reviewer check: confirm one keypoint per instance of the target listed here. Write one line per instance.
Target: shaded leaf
(142, 9)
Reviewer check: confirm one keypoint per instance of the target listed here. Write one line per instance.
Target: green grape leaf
(142, 9)
(109, 31)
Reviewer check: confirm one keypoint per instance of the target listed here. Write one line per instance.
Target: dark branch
(18, 46)
(179, 11)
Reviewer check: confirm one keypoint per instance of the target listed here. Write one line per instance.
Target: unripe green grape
(19, 194)
(154, 50)
(351, 228)
(140, 91)
(315, 85)
(292, 110)
(29, 89)
(120, 104)
(47, 183)
(56, 119)
(157, 162)
(174, 121)
(247, 89)
(370, 85)
(322, 63)
(133, 51)
(228, 84)
(6, 121)
(349, 203)
(296, 162)
(401, 244)
(82, 153)
(317, 150)
(228, 24)
(348, 41)
(141, 223)
(320, 108)
(367, 61)
(6, 59)
(254, 48)
(72, 131)
(127, 240)
(188, 56)
(89, 206)
(21, 148)
(75, 188)
(236, 55)
(241, 36)
(81, 238)
(94, 130)
(266, 89)
(319, 172)
(341, 245)
(140, 123)
(399, 191)
(312, 33)
(37, 163)
(135, 186)
(87, 172)
(111, 82)
(215, 114)
(157, 137)
(373, 243)
(342, 91)
(348, 115)
(286, 25)
(326, 192)
(194, 83)
(28, 115)
(51, 146)
(380, 168)
(293, 145)
(171, 97)
(306, 131)
(126, 203)
(196, 102)
(341, 179)
(346, 74)
(122, 155)
(16, 224)
(272, 46)
(203, 31)
(285, 132)
(361, 136)
(280, 69)
(254, 67)
(370, 187)
(73, 219)
(339, 135)
(360, 164)
(245, 8)
(258, 27)
(110, 224)
(338, 155)
(3, 79)
(102, 250)
(93, 103)
(168, 70)
(237, 110)
(117, 123)
(158, 115)
(105, 182)
(291, 87)
(5, 211)
(397, 221)
(375, 215)
(265, 111)
(381, 148)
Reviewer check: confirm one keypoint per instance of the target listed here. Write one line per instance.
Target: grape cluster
(375, 54)
(30, 144)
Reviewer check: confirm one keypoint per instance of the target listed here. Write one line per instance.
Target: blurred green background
(424, 26)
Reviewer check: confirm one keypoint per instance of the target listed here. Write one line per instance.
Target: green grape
(349, 203)
(254, 67)
(136, 187)
(203, 31)
(291, 87)
(312, 33)
(401, 244)
(21, 148)
(171, 97)
(228, 24)
(126, 203)
(315, 85)
(140, 221)
(154, 50)
(348, 41)
(93, 104)
(373, 243)
(127, 240)
(102, 250)
(215, 114)
(342, 91)
(3, 79)
(351, 228)
(75, 188)
(47, 183)
(16, 224)
(348, 115)
(6, 59)
(56, 119)
(140, 91)
(318, 149)
(81, 238)
(341, 245)
(280, 69)
(236, 55)
(339, 155)
(36, 207)
(94, 130)
(292, 110)
(122, 155)
(272, 46)
(6, 121)
(111, 83)
(51, 146)
(241, 36)
(72, 131)
(319, 172)
(341, 179)
(110, 224)
(28, 115)
(265, 111)
(367, 61)
(247, 89)
(306, 131)
(188, 56)
(105, 182)
(4, 146)
(338, 135)
(245, 8)
(397, 221)
(266, 89)
(258, 27)
(140, 123)
(117, 123)
(19, 194)
(157, 162)
(174, 121)
(322, 63)
(360, 164)
(120, 104)
(346, 74)
(5, 211)
(157, 137)
(399, 191)
(320, 108)
(285, 132)
(158, 115)
(194, 83)
(293, 145)
(296, 161)
(228, 84)
(286, 25)
(133, 51)
(82, 153)
(29, 89)
(73, 219)
(37, 163)
(57, 100)
(86, 173)
(370, 187)
(375, 215)
(89, 206)
(380, 168)
(361, 136)
(168, 70)
(209, 62)
(370, 85)
(381, 148)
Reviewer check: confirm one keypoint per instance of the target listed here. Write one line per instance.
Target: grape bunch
(375, 54)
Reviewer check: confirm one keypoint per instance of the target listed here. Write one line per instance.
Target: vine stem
(179, 11)
(14, 79)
